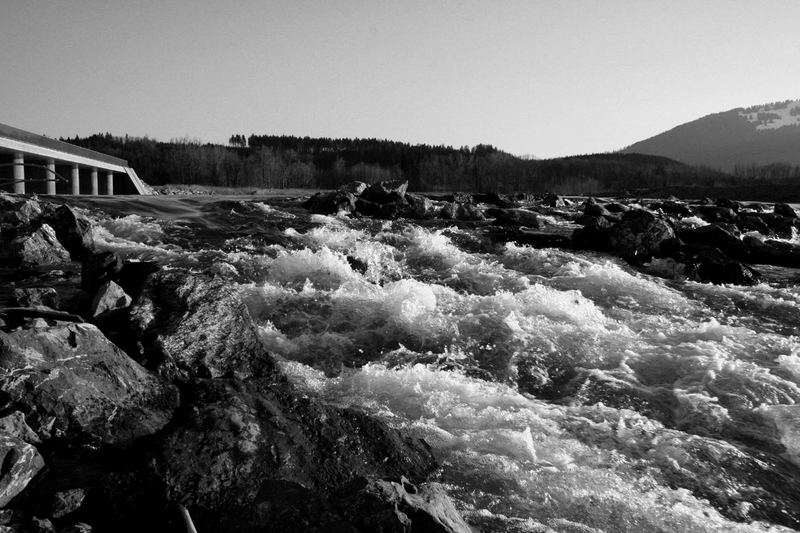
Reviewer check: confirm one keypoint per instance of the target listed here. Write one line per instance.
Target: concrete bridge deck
(31, 163)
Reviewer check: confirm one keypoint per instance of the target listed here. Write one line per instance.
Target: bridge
(31, 163)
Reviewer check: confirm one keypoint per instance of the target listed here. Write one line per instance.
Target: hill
(737, 141)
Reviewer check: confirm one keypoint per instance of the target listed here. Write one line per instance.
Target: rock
(354, 187)
(331, 203)
(66, 501)
(259, 440)
(390, 209)
(593, 209)
(752, 223)
(14, 425)
(70, 381)
(386, 505)
(594, 235)
(616, 207)
(448, 211)
(41, 525)
(193, 325)
(133, 274)
(778, 225)
(385, 191)
(79, 527)
(39, 248)
(517, 217)
(418, 207)
(722, 271)
(553, 200)
(772, 252)
(74, 231)
(711, 213)
(16, 211)
(492, 198)
(639, 234)
(730, 204)
(672, 207)
(784, 210)
(109, 298)
(35, 296)
(20, 463)
(715, 236)
(98, 268)
(538, 239)
(468, 212)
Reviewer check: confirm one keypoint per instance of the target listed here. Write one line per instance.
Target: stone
(98, 268)
(784, 210)
(517, 217)
(385, 191)
(80, 527)
(14, 425)
(190, 325)
(722, 271)
(466, 211)
(594, 235)
(354, 187)
(35, 296)
(71, 382)
(331, 203)
(16, 211)
(66, 501)
(715, 236)
(418, 207)
(712, 213)
(73, 230)
(639, 234)
(21, 462)
(39, 248)
(41, 525)
(553, 200)
(109, 298)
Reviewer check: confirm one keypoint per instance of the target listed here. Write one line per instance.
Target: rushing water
(561, 390)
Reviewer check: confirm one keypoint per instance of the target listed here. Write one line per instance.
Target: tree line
(279, 161)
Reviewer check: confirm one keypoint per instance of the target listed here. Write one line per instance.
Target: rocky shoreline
(137, 396)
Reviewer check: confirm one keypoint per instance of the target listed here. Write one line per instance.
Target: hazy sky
(545, 78)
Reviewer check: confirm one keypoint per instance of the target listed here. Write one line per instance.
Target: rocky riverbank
(139, 397)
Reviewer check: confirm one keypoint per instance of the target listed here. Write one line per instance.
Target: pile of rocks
(139, 398)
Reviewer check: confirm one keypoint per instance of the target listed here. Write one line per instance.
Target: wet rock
(66, 501)
(712, 213)
(71, 382)
(133, 274)
(80, 527)
(41, 525)
(21, 462)
(729, 204)
(73, 230)
(715, 236)
(717, 270)
(16, 211)
(448, 211)
(778, 225)
(39, 248)
(639, 234)
(98, 268)
(466, 211)
(193, 325)
(388, 210)
(493, 198)
(517, 217)
(14, 425)
(772, 252)
(419, 207)
(354, 187)
(553, 200)
(753, 223)
(673, 207)
(34, 296)
(385, 191)
(784, 210)
(594, 235)
(594, 209)
(616, 207)
(109, 298)
(330, 203)
(255, 436)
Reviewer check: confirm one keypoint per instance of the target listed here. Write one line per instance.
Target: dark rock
(753, 223)
(711, 213)
(192, 324)
(389, 209)
(35, 296)
(74, 231)
(20, 463)
(16, 316)
(639, 234)
(673, 207)
(448, 211)
(722, 271)
(418, 207)
(553, 200)
(772, 252)
(616, 207)
(79, 527)
(784, 210)
(41, 525)
(730, 204)
(466, 211)
(66, 501)
(133, 274)
(354, 187)
(14, 425)
(385, 191)
(70, 381)
(754, 206)
(492, 198)
(39, 248)
(17, 211)
(98, 268)
(777, 224)
(330, 203)
(109, 298)
(594, 235)
(517, 217)
(715, 236)
(593, 209)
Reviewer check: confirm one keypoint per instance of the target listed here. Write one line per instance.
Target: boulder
(722, 271)
(35, 296)
(594, 235)
(639, 234)
(779, 225)
(73, 230)
(98, 268)
(784, 210)
(66, 501)
(730, 204)
(39, 248)
(71, 382)
(517, 217)
(593, 209)
(552, 200)
(21, 462)
(354, 187)
(109, 298)
(418, 207)
(14, 425)
(331, 203)
(466, 211)
(672, 207)
(715, 236)
(712, 213)
(772, 252)
(187, 324)
(16, 211)
(385, 191)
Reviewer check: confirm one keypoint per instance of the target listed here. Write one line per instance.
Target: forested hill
(269, 161)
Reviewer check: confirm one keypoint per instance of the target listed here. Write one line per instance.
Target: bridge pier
(110, 183)
(51, 177)
(19, 173)
(76, 180)
(95, 189)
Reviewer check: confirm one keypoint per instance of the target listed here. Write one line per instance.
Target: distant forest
(273, 161)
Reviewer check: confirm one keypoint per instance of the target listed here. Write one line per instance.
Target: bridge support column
(95, 190)
(110, 182)
(76, 180)
(51, 177)
(19, 173)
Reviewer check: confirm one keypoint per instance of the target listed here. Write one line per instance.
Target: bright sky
(546, 78)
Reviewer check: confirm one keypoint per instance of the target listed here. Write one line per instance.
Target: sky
(537, 78)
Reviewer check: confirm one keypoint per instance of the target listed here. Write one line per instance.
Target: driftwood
(187, 519)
